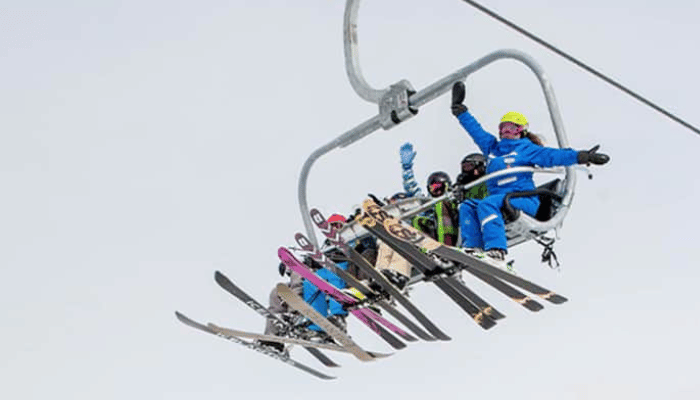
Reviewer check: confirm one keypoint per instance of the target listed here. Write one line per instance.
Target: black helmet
(473, 167)
(438, 183)
(474, 161)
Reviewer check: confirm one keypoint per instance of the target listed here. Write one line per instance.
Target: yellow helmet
(516, 118)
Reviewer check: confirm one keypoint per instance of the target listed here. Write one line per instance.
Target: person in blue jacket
(481, 221)
(318, 300)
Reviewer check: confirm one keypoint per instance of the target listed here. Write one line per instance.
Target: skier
(441, 222)
(280, 308)
(473, 167)
(394, 267)
(319, 301)
(481, 221)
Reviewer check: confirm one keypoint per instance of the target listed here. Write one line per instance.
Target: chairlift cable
(582, 65)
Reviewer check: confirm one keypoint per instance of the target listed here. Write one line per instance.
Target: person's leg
(469, 226)
(491, 220)
(528, 205)
(276, 307)
(335, 309)
(317, 300)
(333, 306)
(272, 326)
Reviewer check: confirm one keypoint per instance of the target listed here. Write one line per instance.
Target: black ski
(474, 263)
(335, 239)
(282, 325)
(281, 356)
(482, 313)
(476, 266)
(371, 297)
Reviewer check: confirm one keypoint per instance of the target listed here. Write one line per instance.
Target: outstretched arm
(550, 157)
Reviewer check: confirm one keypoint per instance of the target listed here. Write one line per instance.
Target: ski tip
(379, 355)
(409, 337)
(181, 317)
(532, 305)
(318, 218)
(558, 299)
(493, 313)
(284, 254)
(219, 277)
(553, 298)
(484, 321)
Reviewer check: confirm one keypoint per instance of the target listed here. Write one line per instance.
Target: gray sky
(146, 144)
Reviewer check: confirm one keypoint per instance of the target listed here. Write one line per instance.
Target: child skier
(481, 221)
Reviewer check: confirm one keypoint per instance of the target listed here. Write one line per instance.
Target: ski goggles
(437, 188)
(510, 130)
(337, 225)
(468, 166)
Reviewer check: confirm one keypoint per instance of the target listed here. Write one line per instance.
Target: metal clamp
(394, 106)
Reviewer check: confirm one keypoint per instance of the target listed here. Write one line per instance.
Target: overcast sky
(145, 144)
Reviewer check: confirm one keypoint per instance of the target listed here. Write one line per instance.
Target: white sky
(146, 144)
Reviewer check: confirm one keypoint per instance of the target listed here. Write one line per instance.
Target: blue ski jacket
(508, 153)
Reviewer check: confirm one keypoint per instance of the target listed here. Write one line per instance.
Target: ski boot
(471, 250)
(396, 279)
(317, 336)
(339, 321)
(274, 346)
(497, 258)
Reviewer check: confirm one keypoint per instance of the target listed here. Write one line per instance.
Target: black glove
(458, 92)
(592, 157)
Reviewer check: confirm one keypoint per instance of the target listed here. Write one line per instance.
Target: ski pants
(481, 221)
(319, 301)
(278, 307)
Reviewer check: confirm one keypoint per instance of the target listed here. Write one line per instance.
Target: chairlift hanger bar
(580, 64)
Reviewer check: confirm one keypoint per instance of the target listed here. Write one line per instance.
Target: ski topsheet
(367, 268)
(252, 346)
(226, 284)
(478, 267)
(366, 315)
(370, 295)
(480, 311)
(339, 336)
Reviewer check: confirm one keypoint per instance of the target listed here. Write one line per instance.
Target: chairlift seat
(521, 227)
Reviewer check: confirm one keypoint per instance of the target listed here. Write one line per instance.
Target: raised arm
(410, 186)
(483, 139)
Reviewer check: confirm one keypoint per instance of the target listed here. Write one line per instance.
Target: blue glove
(407, 155)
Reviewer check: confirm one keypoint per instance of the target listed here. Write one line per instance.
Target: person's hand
(458, 93)
(592, 156)
(407, 155)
